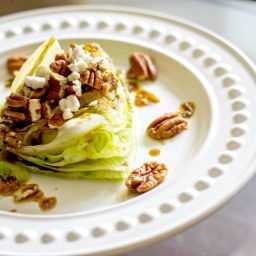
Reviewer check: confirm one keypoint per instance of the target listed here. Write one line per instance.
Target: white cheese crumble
(62, 104)
(77, 53)
(105, 64)
(82, 60)
(78, 66)
(94, 62)
(88, 60)
(43, 71)
(67, 114)
(69, 105)
(73, 103)
(93, 103)
(78, 85)
(35, 82)
(74, 76)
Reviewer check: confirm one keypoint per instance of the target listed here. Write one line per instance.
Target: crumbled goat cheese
(43, 71)
(104, 63)
(88, 59)
(77, 53)
(71, 102)
(62, 104)
(93, 103)
(35, 82)
(78, 85)
(78, 66)
(82, 60)
(94, 62)
(67, 114)
(74, 76)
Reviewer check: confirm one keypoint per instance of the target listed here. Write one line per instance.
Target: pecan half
(167, 126)
(26, 192)
(55, 93)
(141, 67)
(38, 93)
(14, 115)
(47, 203)
(16, 100)
(34, 109)
(14, 63)
(187, 109)
(56, 84)
(146, 177)
(60, 67)
(46, 110)
(92, 78)
(57, 80)
(56, 121)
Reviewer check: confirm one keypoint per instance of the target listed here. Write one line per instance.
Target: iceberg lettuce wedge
(94, 141)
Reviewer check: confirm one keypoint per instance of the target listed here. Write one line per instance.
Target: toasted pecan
(141, 67)
(92, 78)
(16, 100)
(60, 67)
(187, 109)
(14, 63)
(14, 115)
(167, 126)
(56, 120)
(38, 93)
(146, 177)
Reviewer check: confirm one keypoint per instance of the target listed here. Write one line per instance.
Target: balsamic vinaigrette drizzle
(154, 152)
(142, 97)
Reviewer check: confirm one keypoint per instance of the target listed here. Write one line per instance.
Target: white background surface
(232, 230)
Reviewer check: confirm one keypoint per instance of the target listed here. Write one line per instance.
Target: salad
(68, 114)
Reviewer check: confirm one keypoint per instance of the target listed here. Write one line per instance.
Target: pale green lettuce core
(96, 144)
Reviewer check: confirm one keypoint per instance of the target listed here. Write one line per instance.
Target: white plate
(208, 163)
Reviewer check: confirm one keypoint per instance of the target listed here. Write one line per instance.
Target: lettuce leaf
(20, 173)
(112, 175)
